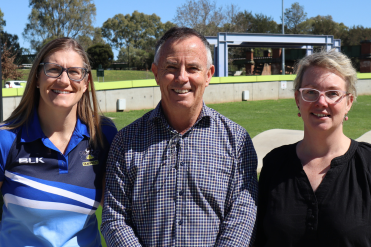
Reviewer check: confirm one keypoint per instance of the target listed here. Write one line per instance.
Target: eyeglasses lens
(313, 95)
(55, 70)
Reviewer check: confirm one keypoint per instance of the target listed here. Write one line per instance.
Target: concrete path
(270, 139)
(366, 137)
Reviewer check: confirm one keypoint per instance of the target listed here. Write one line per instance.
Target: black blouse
(337, 214)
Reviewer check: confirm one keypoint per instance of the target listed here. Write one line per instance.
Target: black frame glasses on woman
(54, 70)
(331, 96)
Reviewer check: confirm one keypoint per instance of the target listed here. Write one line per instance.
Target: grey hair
(333, 61)
(180, 33)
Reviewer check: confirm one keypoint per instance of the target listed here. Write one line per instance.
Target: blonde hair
(333, 61)
(87, 107)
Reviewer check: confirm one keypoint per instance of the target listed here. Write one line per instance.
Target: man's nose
(182, 75)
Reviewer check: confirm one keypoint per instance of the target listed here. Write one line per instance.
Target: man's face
(182, 75)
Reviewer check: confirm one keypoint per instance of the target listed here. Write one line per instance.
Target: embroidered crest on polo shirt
(88, 157)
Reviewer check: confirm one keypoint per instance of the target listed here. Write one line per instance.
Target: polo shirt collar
(32, 131)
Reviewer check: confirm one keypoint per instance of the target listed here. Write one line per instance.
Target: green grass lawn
(258, 116)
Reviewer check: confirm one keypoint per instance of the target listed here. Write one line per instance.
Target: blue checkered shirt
(168, 189)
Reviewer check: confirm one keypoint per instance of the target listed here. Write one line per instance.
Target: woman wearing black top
(317, 192)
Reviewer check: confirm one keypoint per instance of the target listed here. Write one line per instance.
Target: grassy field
(258, 116)
(111, 75)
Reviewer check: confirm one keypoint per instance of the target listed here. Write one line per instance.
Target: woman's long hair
(87, 107)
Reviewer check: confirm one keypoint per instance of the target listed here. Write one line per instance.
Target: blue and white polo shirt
(50, 198)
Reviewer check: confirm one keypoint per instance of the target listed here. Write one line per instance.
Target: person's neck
(61, 122)
(182, 119)
(322, 144)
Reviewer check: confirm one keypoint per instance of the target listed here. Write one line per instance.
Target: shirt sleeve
(116, 216)
(237, 229)
(6, 141)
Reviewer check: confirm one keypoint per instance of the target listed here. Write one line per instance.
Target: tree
(243, 21)
(87, 41)
(13, 44)
(231, 15)
(2, 21)
(355, 35)
(138, 58)
(201, 15)
(9, 69)
(263, 24)
(325, 25)
(100, 54)
(294, 16)
(50, 19)
(139, 31)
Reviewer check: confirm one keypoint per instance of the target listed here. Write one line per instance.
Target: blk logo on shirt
(31, 160)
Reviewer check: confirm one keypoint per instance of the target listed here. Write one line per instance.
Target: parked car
(14, 84)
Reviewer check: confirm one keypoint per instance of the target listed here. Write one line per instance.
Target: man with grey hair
(183, 174)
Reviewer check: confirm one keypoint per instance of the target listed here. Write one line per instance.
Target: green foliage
(325, 25)
(87, 41)
(138, 30)
(137, 58)
(100, 54)
(263, 24)
(51, 19)
(2, 21)
(294, 16)
(243, 21)
(258, 23)
(13, 44)
(355, 35)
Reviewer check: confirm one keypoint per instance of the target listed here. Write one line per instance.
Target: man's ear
(210, 74)
(155, 71)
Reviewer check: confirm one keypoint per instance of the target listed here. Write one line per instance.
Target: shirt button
(313, 204)
(181, 192)
(312, 216)
(180, 222)
(311, 228)
(182, 163)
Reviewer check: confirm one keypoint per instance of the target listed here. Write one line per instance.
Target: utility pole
(283, 49)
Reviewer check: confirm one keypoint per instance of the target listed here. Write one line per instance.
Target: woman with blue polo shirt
(53, 150)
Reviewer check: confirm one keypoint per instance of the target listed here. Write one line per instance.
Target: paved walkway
(270, 139)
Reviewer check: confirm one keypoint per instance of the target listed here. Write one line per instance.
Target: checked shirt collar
(158, 115)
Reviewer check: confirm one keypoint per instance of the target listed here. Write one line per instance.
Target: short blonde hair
(333, 61)
(87, 107)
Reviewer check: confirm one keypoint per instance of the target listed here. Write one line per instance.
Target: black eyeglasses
(54, 70)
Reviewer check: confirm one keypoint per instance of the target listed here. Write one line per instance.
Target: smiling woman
(316, 192)
(54, 148)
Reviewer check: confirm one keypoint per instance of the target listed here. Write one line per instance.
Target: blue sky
(354, 12)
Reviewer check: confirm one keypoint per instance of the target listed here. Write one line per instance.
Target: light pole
(283, 49)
